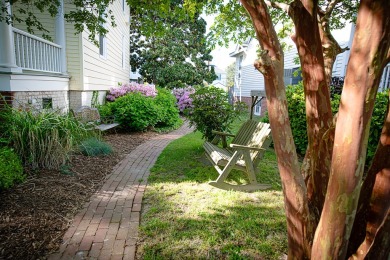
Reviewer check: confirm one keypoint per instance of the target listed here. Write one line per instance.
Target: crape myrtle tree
(173, 53)
(334, 209)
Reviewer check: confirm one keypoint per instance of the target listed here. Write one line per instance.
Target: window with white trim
(258, 109)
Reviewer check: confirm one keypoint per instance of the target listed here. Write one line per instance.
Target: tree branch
(325, 15)
(281, 6)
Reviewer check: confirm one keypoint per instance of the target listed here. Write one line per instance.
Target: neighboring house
(220, 81)
(247, 78)
(64, 73)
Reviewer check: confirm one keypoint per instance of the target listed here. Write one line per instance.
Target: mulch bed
(35, 215)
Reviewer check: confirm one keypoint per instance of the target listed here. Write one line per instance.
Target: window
(47, 103)
(123, 5)
(258, 108)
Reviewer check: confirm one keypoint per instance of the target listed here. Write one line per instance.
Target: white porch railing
(34, 53)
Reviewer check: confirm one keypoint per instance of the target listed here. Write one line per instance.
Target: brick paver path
(107, 227)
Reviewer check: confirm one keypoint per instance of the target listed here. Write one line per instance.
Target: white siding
(101, 73)
(340, 64)
(74, 52)
(289, 57)
(252, 79)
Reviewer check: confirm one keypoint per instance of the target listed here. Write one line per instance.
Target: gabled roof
(240, 48)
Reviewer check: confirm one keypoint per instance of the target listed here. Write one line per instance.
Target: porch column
(60, 36)
(7, 47)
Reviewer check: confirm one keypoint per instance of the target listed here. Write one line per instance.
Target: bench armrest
(244, 147)
(222, 133)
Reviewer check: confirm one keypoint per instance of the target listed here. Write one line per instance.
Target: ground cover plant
(11, 170)
(42, 139)
(185, 218)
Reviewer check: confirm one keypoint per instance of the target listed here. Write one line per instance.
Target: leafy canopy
(174, 51)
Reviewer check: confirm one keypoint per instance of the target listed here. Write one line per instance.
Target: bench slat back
(87, 114)
(254, 134)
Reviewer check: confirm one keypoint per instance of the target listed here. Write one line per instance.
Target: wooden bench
(89, 115)
(244, 153)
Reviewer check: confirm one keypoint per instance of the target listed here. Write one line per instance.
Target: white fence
(34, 53)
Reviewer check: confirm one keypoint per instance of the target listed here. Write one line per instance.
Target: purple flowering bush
(183, 97)
(132, 87)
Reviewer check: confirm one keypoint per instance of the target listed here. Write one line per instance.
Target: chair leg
(249, 167)
(229, 166)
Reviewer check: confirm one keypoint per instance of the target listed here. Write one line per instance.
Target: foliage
(230, 72)
(297, 114)
(336, 86)
(95, 147)
(11, 170)
(183, 100)
(42, 139)
(145, 89)
(211, 111)
(137, 112)
(168, 113)
(172, 56)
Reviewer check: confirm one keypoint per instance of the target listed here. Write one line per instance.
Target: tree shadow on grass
(244, 228)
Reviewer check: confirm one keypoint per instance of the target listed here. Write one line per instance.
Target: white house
(64, 73)
(247, 78)
(220, 81)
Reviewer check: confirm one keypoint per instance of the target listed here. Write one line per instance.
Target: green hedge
(297, 115)
(136, 112)
(11, 170)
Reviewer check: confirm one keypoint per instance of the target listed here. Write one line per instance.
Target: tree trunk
(374, 201)
(319, 116)
(368, 57)
(270, 63)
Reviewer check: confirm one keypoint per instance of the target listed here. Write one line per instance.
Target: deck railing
(34, 53)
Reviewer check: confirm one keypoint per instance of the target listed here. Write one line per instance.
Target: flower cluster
(144, 89)
(183, 97)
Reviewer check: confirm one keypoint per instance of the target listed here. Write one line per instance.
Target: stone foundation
(78, 99)
(56, 100)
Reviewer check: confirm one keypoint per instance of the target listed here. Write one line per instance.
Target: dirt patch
(35, 215)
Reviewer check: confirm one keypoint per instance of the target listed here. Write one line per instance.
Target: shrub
(42, 139)
(183, 99)
(95, 147)
(211, 111)
(136, 112)
(132, 87)
(11, 170)
(168, 112)
(297, 115)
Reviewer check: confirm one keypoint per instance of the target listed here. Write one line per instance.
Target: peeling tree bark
(319, 116)
(374, 201)
(368, 57)
(270, 64)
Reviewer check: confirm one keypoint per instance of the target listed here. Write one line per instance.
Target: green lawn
(185, 218)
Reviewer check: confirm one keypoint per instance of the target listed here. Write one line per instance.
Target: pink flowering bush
(183, 97)
(132, 87)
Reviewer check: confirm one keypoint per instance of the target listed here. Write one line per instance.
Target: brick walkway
(107, 227)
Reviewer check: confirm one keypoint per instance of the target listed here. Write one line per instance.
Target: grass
(185, 218)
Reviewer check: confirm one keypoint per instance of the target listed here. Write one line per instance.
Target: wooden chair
(244, 153)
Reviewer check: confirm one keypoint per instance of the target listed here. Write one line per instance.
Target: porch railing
(34, 53)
